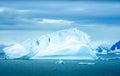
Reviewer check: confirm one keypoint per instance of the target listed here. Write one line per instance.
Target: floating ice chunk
(86, 63)
(101, 58)
(113, 58)
(60, 62)
(117, 53)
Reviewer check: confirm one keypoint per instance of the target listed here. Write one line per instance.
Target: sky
(99, 19)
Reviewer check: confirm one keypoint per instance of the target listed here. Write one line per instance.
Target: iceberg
(60, 62)
(63, 44)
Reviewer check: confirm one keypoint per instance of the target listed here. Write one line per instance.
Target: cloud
(2, 10)
(36, 24)
(8, 9)
(88, 9)
(55, 15)
(77, 9)
(19, 19)
(12, 16)
(55, 22)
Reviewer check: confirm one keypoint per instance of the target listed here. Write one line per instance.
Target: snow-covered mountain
(102, 49)
(63, 44)
(115, 46)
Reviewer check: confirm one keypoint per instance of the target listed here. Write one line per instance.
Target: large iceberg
(64, 44)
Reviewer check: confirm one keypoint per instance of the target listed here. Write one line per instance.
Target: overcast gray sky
(99, 19)
(50, 15)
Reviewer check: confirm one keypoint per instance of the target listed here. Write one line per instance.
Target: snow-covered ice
(15, 51)
(63, 44)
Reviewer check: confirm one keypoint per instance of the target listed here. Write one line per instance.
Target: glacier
(63, 44)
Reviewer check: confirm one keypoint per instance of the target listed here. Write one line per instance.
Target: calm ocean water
(50, 68)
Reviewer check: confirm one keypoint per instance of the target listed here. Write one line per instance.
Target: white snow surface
(63, 44)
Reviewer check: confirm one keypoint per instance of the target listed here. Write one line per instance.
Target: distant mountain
(115, 46)
(102, 49)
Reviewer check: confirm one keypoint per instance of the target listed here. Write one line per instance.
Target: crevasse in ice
(63, 44)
